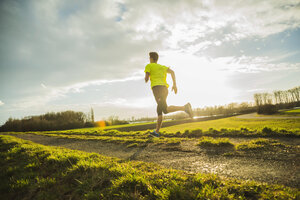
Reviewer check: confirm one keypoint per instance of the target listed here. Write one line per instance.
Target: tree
(92, 115)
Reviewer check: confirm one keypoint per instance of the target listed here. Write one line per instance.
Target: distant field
(234, 122)
(295, 111)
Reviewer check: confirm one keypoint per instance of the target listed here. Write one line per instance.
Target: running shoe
(188, 110)
(154, 134)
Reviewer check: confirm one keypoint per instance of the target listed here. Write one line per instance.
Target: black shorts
(160, 93)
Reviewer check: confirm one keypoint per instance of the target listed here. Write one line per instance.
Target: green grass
(111, 136)
(260, 144)
(236, 123)
(109, 127)
(293, 111)
(142, 138)
(32, 171)
(214, 142)
(283, 113)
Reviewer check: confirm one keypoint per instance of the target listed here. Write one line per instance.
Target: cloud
(57, 93)
(1, 103)
(54, 43)
(248, 64)
(54, 50)
(61, 42)
(188, 23)
(43, 86)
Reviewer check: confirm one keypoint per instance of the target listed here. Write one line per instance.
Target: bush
(196, 133)
(267, 109)
(49, 121)
(213, 131)
(267, 130)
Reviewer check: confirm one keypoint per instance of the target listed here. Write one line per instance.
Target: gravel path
(275, 169)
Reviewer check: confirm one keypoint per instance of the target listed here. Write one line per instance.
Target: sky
(62, 55)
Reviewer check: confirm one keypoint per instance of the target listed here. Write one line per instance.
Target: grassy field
(292, 112)
(230, 122)
(109, 127)
(226, 127)
(234, 122)
(142, 138)
(32, 171)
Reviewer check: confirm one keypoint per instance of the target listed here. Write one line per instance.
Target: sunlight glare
(199, 80)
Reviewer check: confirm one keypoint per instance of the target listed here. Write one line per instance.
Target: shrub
(196, 132)
(267, 130)
(268, 109)
(213, 131)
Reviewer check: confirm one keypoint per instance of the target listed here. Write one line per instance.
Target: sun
(200, 80)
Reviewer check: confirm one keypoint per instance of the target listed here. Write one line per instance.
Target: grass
(32, 171)
(283, 113)
(236, 123)
(109, 127)
(294, 112)
(260, 144)
(110, 136)
(142, 138)
(215, 142)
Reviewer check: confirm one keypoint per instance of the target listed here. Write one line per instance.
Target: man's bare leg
(159, 122)
(169, 109)
(175, 108)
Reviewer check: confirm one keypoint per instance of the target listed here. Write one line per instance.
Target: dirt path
(189, 157)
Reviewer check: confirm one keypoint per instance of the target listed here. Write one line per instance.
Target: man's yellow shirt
(158, 74)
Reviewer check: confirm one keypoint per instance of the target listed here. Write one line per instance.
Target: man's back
(158, 74)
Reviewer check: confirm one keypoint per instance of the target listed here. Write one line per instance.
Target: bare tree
(297, 93)
(258, 99)
(92, 115)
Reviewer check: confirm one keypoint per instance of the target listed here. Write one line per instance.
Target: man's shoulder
(158, 65)
(155, 66)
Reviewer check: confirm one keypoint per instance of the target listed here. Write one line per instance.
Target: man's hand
(147, 75)
(174, 80)
(174, 88)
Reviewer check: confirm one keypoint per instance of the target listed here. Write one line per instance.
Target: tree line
(50, 121)
(225, 110)
(269, 103)
(264, 103)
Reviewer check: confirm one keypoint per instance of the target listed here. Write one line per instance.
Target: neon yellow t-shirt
(158, 74)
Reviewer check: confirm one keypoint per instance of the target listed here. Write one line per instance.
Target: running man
(159, 85)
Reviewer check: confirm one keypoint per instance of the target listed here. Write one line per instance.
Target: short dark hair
(154, 56)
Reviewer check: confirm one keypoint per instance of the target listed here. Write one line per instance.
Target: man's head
(153, 56)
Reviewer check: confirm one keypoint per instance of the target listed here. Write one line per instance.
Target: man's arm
(147, 74)
(174, 80)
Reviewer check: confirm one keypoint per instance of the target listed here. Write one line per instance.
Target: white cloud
(66, 42)
(43, 86)
(1, 103)
(143, 102)
(187, 23)
(56, 93)
(249, 64)
(63, 47)
(256, 90)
